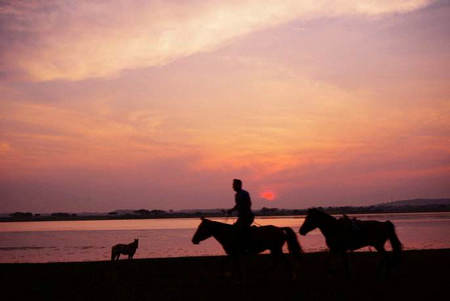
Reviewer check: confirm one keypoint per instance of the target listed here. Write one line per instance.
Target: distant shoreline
(159, 214)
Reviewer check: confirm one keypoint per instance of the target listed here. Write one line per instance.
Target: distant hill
(416, 202)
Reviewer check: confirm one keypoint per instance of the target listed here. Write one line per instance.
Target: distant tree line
(265, 211)
(21, 214)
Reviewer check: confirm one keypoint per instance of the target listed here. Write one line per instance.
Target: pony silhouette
(260, 239)
(345, 234)
(128, 249)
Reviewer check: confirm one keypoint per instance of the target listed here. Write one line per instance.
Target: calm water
(92, 240)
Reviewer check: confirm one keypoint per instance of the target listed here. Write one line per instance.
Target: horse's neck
(222, 233)
(327, 225)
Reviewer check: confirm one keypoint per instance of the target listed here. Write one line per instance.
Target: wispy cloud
(75, 40)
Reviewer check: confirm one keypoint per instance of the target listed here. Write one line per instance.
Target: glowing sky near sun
(160, 104)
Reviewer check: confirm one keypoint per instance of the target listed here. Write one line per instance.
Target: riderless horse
(128, 249)
(345, 234)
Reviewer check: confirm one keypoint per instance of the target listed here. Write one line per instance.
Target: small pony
(128, 249)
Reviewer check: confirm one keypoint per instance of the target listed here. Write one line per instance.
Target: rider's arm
(232, 209)
(235, 206)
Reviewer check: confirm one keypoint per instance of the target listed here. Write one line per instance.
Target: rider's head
(237, 184)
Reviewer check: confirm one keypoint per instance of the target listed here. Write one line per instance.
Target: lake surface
(92, 240)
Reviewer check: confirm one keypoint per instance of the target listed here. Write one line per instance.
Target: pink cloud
(48, 40)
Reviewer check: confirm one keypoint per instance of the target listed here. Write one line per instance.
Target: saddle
(353, 224)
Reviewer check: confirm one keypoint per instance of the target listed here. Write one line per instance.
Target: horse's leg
(287, 263)
(384, 263)
(276, 254)
(329, 262)
(224, 262)
(237, 266)
(346, 265)
(333, 262)
(244, 264)
(227, 265)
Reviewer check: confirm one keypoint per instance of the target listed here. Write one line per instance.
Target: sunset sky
(131, 104)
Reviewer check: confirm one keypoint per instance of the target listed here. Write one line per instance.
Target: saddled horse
(128, 249)
(347, 234)
(260, 239)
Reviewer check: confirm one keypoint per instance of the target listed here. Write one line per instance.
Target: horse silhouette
(260, 239)
(345, 234)
(128, 249)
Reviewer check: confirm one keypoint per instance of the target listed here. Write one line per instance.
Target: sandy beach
(423, 274)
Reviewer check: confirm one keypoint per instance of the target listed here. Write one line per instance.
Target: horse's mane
(345, 217)
(320, 212)
(217, 223)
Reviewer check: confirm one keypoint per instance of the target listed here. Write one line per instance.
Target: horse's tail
(292, 241)
(395, 242)
(113, 253)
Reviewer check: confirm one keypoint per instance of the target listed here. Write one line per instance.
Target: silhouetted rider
(245, 214)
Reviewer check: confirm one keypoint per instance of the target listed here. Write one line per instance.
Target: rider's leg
(242, 233)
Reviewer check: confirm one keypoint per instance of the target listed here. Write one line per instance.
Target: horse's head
(203, 231)
(311, 221)
(136, 241)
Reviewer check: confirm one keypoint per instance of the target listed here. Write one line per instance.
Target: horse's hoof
(331, 273)
(293, 277)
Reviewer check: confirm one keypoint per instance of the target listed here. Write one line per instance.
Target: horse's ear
(202, 218)
(314, 210)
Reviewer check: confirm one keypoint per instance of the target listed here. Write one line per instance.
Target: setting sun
(268, 195)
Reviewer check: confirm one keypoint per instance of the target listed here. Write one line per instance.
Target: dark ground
(422, 275)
